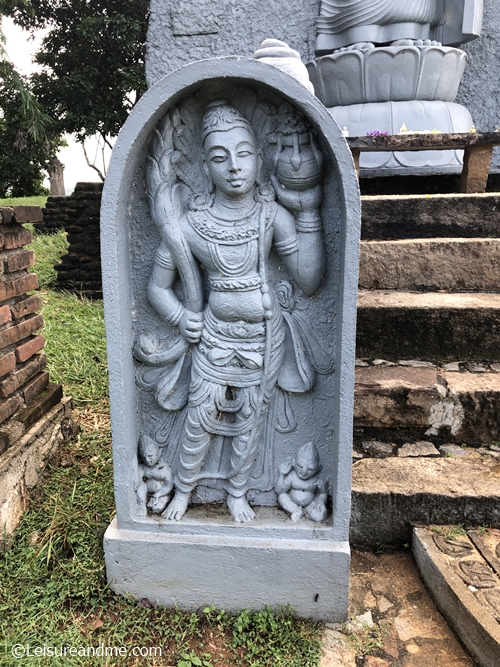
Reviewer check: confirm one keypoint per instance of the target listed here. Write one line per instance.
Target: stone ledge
(432, 325)
(390, 495)
(450, 406)
(22, 463)
(430, 265)
(430, 216)
(460, 603)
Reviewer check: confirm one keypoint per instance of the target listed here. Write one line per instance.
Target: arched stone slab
(206, 558)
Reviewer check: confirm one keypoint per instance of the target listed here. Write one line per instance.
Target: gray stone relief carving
(174, 234)
(300, 489)
(391, 62)
(226, 185)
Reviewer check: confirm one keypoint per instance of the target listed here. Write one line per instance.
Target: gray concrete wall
(480, 88)
(187, 30)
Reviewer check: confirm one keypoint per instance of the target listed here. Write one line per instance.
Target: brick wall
(80, 269)
(26, 393)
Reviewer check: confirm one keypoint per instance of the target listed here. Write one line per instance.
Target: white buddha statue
(345, 22)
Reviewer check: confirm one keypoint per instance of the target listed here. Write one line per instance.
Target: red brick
(8, 406)
(25, 307)
(18, 286)
(27, 213)
(6, 214)
(45, 402)
(19, 260)
(35, 387)
(4, 315)
(14, 236)
(17, 379)
(19, 331)
(28, 349)
(7, 363)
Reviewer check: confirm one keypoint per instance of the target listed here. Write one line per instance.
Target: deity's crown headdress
(221, 117)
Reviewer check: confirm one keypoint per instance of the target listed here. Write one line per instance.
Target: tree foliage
(22, 156)
(92, 61)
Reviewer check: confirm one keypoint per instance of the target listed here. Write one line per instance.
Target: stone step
(430, 216)
(431, 265)
(462, 573)
(391, 495)
(435, 326)
(397, 403)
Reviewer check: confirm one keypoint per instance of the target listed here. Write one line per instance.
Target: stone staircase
(427, 393)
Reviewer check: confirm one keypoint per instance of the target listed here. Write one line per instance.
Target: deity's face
(232, 161)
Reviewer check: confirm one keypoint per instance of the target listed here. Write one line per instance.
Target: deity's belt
(246, 283)
(232, 353)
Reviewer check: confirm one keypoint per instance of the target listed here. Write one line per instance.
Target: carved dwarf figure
(300, 489)
(155, 483)
(236, 337)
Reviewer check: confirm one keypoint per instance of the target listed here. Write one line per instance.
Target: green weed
(366, 639)
(450, 532)
(192, 660)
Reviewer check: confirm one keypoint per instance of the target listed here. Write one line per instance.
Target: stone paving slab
(430, 265)
(465, 588)
(387, 592)
(391, 495)
(434, 326)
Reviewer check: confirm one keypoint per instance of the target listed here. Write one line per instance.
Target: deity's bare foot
(240, 509)
(297, 515)
(177, 508)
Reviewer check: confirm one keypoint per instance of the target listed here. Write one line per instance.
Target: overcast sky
(21, 50)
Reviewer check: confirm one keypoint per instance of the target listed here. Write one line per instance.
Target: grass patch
(24, 201)
(53, 589)
(76, 346)
(48, 248)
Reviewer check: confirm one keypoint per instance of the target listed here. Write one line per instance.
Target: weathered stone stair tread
(428, 300)
(389, 495)
(430, 216)
(460, 407)
(431, 264)
(465, 588)
(431, 325)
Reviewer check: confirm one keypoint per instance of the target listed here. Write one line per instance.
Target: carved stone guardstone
(382, 64)
(230, 237)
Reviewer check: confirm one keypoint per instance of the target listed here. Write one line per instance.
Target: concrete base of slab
(457, 599)
(191, 570)
(391, 495)
(21, 464)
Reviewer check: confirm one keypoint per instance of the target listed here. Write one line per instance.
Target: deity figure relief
(218, 217)
(301, 491)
